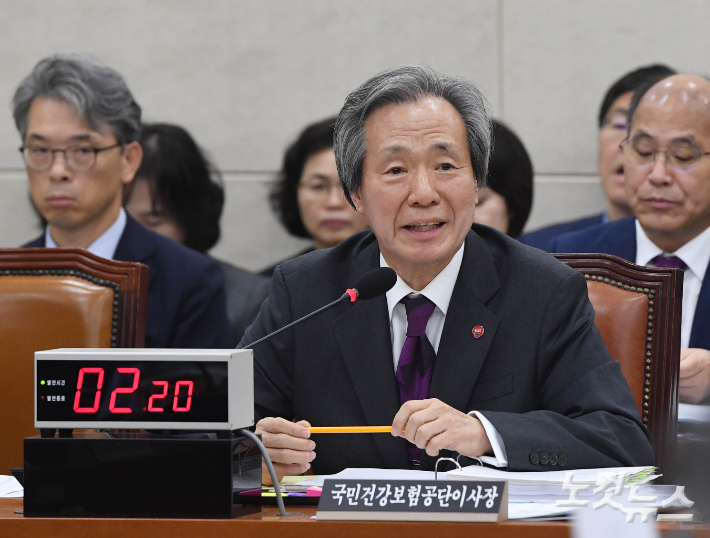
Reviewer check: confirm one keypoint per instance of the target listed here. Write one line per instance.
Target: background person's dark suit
(186, 302)
(542, 238)
(619, 238)
(540, 372)
(245, 293)
(269, 271)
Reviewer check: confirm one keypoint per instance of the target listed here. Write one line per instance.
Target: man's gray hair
(98, 93)
(407, 85)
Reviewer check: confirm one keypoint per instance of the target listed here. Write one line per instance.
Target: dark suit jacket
(543, 237)
(245, 293)
(540, 373)
(619, 238)
(269, 271)
(186, 301)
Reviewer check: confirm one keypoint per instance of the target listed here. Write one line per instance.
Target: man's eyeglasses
(679, 157)
(79, 157)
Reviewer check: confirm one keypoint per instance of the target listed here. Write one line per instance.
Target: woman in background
(505, 202)
(307, 196)
(178, 193)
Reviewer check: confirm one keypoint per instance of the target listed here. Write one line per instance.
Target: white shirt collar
(438, 291)
(106, 244)
(695, 253)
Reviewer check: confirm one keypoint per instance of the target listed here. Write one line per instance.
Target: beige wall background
(245, 77)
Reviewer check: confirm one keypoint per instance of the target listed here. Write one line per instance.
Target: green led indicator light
(41, 382)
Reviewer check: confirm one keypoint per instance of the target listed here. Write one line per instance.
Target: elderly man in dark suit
(79, 126)
(667, 173)
(484, 346)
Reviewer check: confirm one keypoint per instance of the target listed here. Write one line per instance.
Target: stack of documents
(10, 488)
(525, 487)
(296, 484)
(534, 494)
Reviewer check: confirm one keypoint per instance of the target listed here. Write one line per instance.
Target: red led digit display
(124, 390)
(80, 384)
(158, 397)
(131, 392)
(189, 385)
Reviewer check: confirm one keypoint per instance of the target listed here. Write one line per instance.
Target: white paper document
(637, 475)
(10, 488)
(538, 510)
(590, 523)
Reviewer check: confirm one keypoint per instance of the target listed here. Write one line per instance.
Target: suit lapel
(700, 335)
(460, 355)
(136, 243)
(363, 335)
(622, 239)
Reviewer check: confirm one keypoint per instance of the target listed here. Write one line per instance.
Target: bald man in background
(667, 171)
(610, 159)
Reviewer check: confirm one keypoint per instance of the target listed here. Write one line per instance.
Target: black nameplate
(414, 500)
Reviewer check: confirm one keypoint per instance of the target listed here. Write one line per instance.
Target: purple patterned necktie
(416, 361)
(674, 262)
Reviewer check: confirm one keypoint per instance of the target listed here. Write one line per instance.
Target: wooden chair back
(638, 313)
(55, 298)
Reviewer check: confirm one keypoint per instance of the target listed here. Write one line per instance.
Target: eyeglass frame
(625, 143)
(311, 189)
(63, 151)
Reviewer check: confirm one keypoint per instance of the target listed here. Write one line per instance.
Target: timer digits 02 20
(185, 389)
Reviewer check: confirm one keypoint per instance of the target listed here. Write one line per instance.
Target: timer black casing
(138, 473)
(141, 477)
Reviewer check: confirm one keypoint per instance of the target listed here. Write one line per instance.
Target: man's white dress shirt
(696, 255)
(439, 292)
(106, 244)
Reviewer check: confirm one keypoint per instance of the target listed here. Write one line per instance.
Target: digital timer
(186, 389)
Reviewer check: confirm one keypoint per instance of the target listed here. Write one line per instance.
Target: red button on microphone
(477, 331)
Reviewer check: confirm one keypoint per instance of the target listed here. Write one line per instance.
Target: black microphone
(370, 285)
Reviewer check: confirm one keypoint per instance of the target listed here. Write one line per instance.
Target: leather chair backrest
(621, 317)
(58, 298)
(638, 311)
(43, 312)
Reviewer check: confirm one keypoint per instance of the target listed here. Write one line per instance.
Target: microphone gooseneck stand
(344, 297)
(373, 284)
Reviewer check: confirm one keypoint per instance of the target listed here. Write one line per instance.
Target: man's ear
(132, 158)
(357, 200)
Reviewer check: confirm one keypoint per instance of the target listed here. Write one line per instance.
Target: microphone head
(374, 283)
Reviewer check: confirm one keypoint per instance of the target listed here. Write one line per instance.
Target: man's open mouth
(424, 227)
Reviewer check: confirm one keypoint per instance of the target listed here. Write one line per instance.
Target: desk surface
(268, 523)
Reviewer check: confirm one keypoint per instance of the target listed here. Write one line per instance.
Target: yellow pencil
(352, 429)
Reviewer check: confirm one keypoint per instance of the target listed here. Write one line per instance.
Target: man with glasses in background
(667, 171)
(79, 125)
(610, 161)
